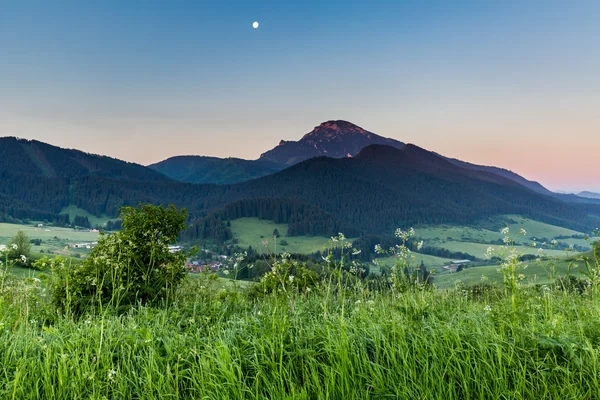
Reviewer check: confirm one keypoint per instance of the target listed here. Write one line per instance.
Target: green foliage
(287, 277)
(130, 266)
(20, 248)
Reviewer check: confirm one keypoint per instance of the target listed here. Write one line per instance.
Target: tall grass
(215, 343)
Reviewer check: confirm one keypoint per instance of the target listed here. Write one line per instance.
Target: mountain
(335, 139)
(35, 158)
(535, 186)
(378, 190)
(589, 195)
(199, 169)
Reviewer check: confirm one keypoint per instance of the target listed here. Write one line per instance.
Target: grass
(540, 271)
(429, 261)
(535, 229)
(254, 231)
(73, 211)
(216, 343)
(54, 239)
(478, 250)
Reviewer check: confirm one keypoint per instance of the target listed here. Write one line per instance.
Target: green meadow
(74, 211)
(258, 233)
(54, 239)
(216, 341)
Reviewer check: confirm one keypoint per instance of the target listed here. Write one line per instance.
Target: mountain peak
(334, 138)
(337, 128)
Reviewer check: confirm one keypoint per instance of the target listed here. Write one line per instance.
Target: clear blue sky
(508, 83)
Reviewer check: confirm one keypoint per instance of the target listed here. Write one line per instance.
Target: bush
(130, 266)
(285, 276)
(20, 248)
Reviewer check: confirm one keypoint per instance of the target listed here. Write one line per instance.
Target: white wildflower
(14, 246)
(522, 232)
(23, 259)
(111, 374)
(487, 308)
(355, 252)
(291, 278)
(505, 231)
(420, 245)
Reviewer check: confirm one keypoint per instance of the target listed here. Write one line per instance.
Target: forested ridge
(380, 189)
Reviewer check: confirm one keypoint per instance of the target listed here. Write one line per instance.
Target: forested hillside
(199, 169)
(30, 157)
(380, 189)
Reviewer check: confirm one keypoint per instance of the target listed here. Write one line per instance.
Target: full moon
(255, 25)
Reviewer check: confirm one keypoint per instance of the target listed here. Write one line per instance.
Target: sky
(513, 84)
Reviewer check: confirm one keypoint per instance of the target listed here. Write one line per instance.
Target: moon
(255, 25)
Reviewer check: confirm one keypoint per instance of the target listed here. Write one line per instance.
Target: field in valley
(74, 211)
(54, 239)
(254, 232)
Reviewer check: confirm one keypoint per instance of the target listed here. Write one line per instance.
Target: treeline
(363, 195)
(301, 219)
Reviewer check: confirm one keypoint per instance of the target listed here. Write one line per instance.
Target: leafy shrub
(286, 276)
(126, 267)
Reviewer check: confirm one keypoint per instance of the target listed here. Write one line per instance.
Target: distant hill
(590, 195)
(35, 158)
(378, 190)
(335, 139)
(535, 186)
(199, 169)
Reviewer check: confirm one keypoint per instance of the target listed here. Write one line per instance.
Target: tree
(276, 233)
(133, 265)
(21, 248)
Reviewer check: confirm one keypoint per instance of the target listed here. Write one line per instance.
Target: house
(459, 262)
(175, 249)
(90, 245)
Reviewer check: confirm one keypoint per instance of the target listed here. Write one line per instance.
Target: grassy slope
(216, 344)
(468, 239)
(73, 211)
(541, 271)
(49, 235)
(248, 232)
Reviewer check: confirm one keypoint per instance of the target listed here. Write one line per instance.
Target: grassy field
(54, 239)
(478, 250)
(254, 231)
(541, 271)
(215, 342)
(475, 241)
(431, 262)
(537, 230)
(73, 211)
